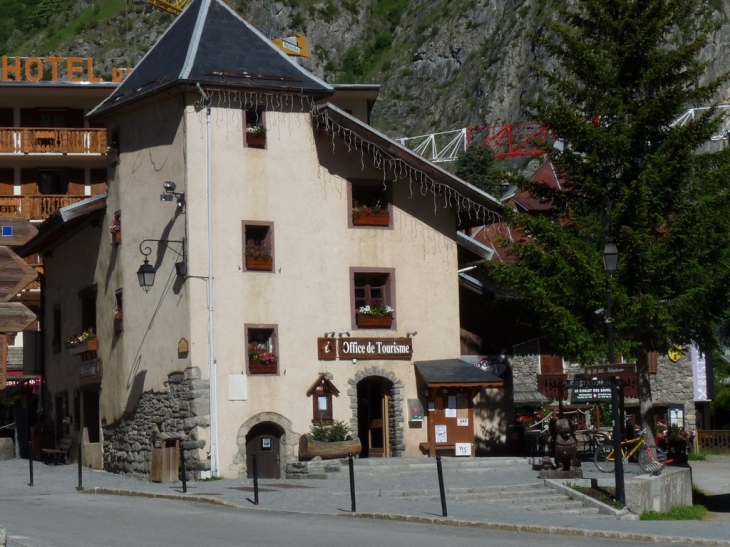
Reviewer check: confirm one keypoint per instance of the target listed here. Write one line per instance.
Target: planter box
(371, 219)
(254, 367)
(374, 321)
(89, 345)
(260, 264)
(256, 141)
(116, 238)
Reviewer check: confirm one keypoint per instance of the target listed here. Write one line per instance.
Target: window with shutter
(653, 360)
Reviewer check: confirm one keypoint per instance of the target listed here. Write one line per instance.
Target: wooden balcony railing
(714, 439)
(35, 207)
(30, 140)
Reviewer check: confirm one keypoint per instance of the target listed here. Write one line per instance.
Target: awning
(455, 373)
(526, 395)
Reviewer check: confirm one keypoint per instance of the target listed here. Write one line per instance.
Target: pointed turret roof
(209, 43)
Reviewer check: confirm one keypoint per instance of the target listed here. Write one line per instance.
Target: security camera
(169, 186)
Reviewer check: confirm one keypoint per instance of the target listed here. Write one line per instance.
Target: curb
(551, 530)
(154, 495)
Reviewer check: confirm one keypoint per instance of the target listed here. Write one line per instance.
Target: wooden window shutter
(76, 182)
(551, 364)
(652, 358)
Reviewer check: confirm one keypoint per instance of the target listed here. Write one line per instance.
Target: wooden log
(309, 448)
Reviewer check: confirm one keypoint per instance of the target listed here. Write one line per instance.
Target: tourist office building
(263, 259)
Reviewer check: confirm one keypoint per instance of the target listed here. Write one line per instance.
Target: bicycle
(651, 459)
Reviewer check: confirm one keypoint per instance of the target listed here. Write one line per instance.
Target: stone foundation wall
(182, 409)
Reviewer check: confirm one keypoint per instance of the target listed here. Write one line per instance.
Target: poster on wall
(441, 436)
(462, 422)
(449, 413)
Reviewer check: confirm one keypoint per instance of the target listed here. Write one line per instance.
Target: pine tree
(625, 72)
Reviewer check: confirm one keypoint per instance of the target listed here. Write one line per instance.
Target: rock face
(442, 64)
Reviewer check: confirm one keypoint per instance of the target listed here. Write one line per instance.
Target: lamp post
(610, 263)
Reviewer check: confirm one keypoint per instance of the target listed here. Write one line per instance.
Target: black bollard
(441, 486)
(254, 462)
(351, 464)
(30, 461)
(78, 458)
(182, 469)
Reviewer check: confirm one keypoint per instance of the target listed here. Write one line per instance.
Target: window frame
(390, 298)
(269, 240)
(254, 115)
(375, 184)
(274, 346)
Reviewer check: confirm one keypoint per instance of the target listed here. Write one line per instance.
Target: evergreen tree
(624, 73)
(476, 165)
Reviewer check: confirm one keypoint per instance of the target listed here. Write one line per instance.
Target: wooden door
(264, 440)
(372, 412)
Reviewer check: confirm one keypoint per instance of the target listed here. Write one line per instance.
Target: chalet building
(50, 157)
(272, 218)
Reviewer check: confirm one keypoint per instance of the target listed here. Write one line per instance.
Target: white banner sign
(699, 375)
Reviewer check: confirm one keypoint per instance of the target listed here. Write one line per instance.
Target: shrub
(329, 431)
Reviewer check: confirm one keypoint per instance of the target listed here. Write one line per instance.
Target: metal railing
(38, 140)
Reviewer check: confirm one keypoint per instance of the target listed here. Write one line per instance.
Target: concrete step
(472, 499)
(496, 490)
(582, 511)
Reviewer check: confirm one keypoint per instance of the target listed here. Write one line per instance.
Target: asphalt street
(384, 498)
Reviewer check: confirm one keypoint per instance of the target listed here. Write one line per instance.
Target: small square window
(370, 204)
(373, 299)
(255, 123)
(262, 352)
(258, 246)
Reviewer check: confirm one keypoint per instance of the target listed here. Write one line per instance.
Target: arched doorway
(265, 440)
(373, 420)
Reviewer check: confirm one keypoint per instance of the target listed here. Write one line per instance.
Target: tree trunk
(309, 448)
(646, 408)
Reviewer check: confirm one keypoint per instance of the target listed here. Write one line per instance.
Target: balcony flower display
(375, 316)
(258, 130)
(80, 338)
(115, 227)
(260, 354)
(371, 215)
(258, 256)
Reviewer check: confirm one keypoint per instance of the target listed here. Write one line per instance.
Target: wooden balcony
(550, 385)
(38, 140)
(35, 207)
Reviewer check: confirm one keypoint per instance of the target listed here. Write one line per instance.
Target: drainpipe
(214, 467)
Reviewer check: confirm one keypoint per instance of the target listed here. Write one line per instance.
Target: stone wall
(526, 363)
(182, 409)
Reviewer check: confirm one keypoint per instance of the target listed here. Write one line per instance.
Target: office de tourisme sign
(365, 348)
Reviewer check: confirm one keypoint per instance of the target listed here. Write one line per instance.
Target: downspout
(214, 467)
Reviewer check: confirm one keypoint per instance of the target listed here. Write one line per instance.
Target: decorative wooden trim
(374, 321)
(371, 219)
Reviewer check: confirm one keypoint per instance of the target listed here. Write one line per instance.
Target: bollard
(78, 459)
(351, 464)
(30, 461)
(182, 469)
(254, 462)
(441, 486)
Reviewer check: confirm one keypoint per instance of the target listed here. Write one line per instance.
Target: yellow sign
(675, 353)
(37, 69)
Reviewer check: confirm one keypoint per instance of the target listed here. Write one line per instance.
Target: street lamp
(610, 264)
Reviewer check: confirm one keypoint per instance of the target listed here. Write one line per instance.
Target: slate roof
(444, 372)
(209, 43)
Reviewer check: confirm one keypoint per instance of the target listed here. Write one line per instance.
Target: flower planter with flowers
(256, 136)
(82, 342)
(377, 316)
(260, 360)
(258, 257)
(118, 321)
(371, 215)
(115, 229)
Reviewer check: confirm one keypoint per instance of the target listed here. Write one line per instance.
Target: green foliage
(477, 166)
(683, 512)
(297, 21)
(630, 178)
(329, 431)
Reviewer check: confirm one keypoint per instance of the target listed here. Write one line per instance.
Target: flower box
(260, 264)
(257, 367)
(116, 238)
(371, 219)
(89, 345)
(257, 141)
(374, 321)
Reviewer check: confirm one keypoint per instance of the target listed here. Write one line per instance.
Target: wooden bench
(57, 455)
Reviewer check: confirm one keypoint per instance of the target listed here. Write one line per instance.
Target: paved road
(377, 497)
(108, 521)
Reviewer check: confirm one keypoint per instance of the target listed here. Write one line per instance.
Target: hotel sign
(37, 69)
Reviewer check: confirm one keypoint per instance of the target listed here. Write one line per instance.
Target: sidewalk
(332, 496)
